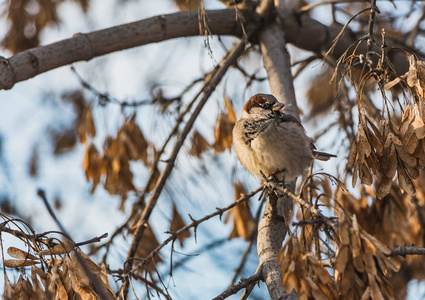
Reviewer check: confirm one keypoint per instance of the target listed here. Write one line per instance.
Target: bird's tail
(322, 155)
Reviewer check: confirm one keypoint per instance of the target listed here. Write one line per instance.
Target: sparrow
(269, 142)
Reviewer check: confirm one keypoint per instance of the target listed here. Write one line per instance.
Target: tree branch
(403, 251)
(278, 65)
(300, 30)
(195, 223)
(243, 283)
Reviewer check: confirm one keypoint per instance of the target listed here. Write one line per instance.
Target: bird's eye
(266, 105)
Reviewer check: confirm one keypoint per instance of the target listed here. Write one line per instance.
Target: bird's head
(260, 106)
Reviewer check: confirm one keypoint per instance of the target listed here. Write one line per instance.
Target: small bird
(271, 143)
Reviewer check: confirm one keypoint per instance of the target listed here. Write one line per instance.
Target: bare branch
(278, 66)
(370, 40)
(302, 31)
(409, 250)
(195, 223)
(243, 283)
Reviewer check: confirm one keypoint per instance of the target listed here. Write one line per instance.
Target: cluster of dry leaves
(128, 145)
(303, 273)
(57, 273)
(380, 151)
(361, 269)
(27, 20)
(394, 220)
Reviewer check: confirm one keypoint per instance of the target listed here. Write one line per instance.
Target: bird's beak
(278, 106)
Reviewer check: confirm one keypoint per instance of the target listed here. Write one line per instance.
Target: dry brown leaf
(199, 145)
(289, 279)
(405, 182)
(92, 165)
(95, 271)
(119, 178)
(244, 224)
(319, 270)
(86, 125)
(20, 254)
(353, 154)
(375, 292)
(407, 158)
(384, 187)
(365, 175)
(357, 251)
(416, 75)
(64, 141)
(412, 143)
(369, 251)
(130, 143)
(230, 110)
(16, 263)
(322, 92)
(223, 133)
(178, 223)
(342, 258)
(80, 282)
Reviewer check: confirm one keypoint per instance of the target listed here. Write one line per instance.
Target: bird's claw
(269, 185)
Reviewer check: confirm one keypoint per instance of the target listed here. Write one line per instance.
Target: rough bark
(277, 63)
(300, 30)
(271, 233)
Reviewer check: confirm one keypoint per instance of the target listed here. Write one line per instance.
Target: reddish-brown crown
(259, 100)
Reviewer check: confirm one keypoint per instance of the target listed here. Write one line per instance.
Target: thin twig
(243, 261)
(403, 251)
(370, 39)
(420, 217)
(211, 245)
(243, 283)
(151, 284)
(248, 249)
(195, 223)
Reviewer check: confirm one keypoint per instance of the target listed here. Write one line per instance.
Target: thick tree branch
(278, 65)
(273, 226)
(300, 30)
